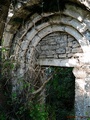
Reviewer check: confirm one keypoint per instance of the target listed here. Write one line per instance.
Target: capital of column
(79, 73)
(82, 71)
(83, 58)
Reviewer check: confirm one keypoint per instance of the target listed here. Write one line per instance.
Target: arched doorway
(71, 32)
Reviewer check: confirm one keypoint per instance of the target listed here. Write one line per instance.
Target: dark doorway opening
(60, 92)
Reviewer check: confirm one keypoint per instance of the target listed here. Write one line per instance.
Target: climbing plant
(60, 92)
(24, 105)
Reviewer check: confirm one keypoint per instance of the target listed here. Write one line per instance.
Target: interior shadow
(60, 93)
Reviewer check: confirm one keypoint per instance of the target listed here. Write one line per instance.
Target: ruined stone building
(53, 37)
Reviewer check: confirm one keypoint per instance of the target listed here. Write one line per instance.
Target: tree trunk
(4, 7)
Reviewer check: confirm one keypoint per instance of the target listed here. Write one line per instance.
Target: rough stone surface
(58, 45)
(57, 40)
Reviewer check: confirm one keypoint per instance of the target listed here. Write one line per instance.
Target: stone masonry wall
(57, 45)
(39, 34)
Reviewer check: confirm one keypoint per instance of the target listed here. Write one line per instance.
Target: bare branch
(44, 84)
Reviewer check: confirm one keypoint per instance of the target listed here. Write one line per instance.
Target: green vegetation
(59, 101)
(61, 94)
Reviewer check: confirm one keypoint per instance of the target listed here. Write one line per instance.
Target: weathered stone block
(87, 86)
(65, 38)
(52, 43)
(87, 78)
(52, 56)
(60, 40)
(38, 49)
(47, 52)
(30, 35)
(42, 33)
(21, 54)
(49, 47)
(79, 73)
(55, 56)
(50, 40)
(75, 50)
(75, 44)
(64, 44)
(87, 34)
(42, 56)
(68, 50)
(62, 55)
(70, 39)
(28, 55)
(61, 50)
(24, 45)
(42, 42)
(53, 47)
(45, 47)
(70, 44)
(69, 55)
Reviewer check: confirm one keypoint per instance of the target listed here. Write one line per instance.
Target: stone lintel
(59, 62)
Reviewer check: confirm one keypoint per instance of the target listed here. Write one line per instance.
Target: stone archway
(73, 22)
(59, 52)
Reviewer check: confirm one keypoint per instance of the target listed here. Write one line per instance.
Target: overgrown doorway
(60, 92)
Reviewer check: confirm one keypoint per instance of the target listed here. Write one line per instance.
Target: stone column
(80, 75)
(87, 92)
(82, 87)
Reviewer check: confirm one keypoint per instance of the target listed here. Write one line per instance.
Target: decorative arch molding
(74, 17)
(48, 30)
(72, 27)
